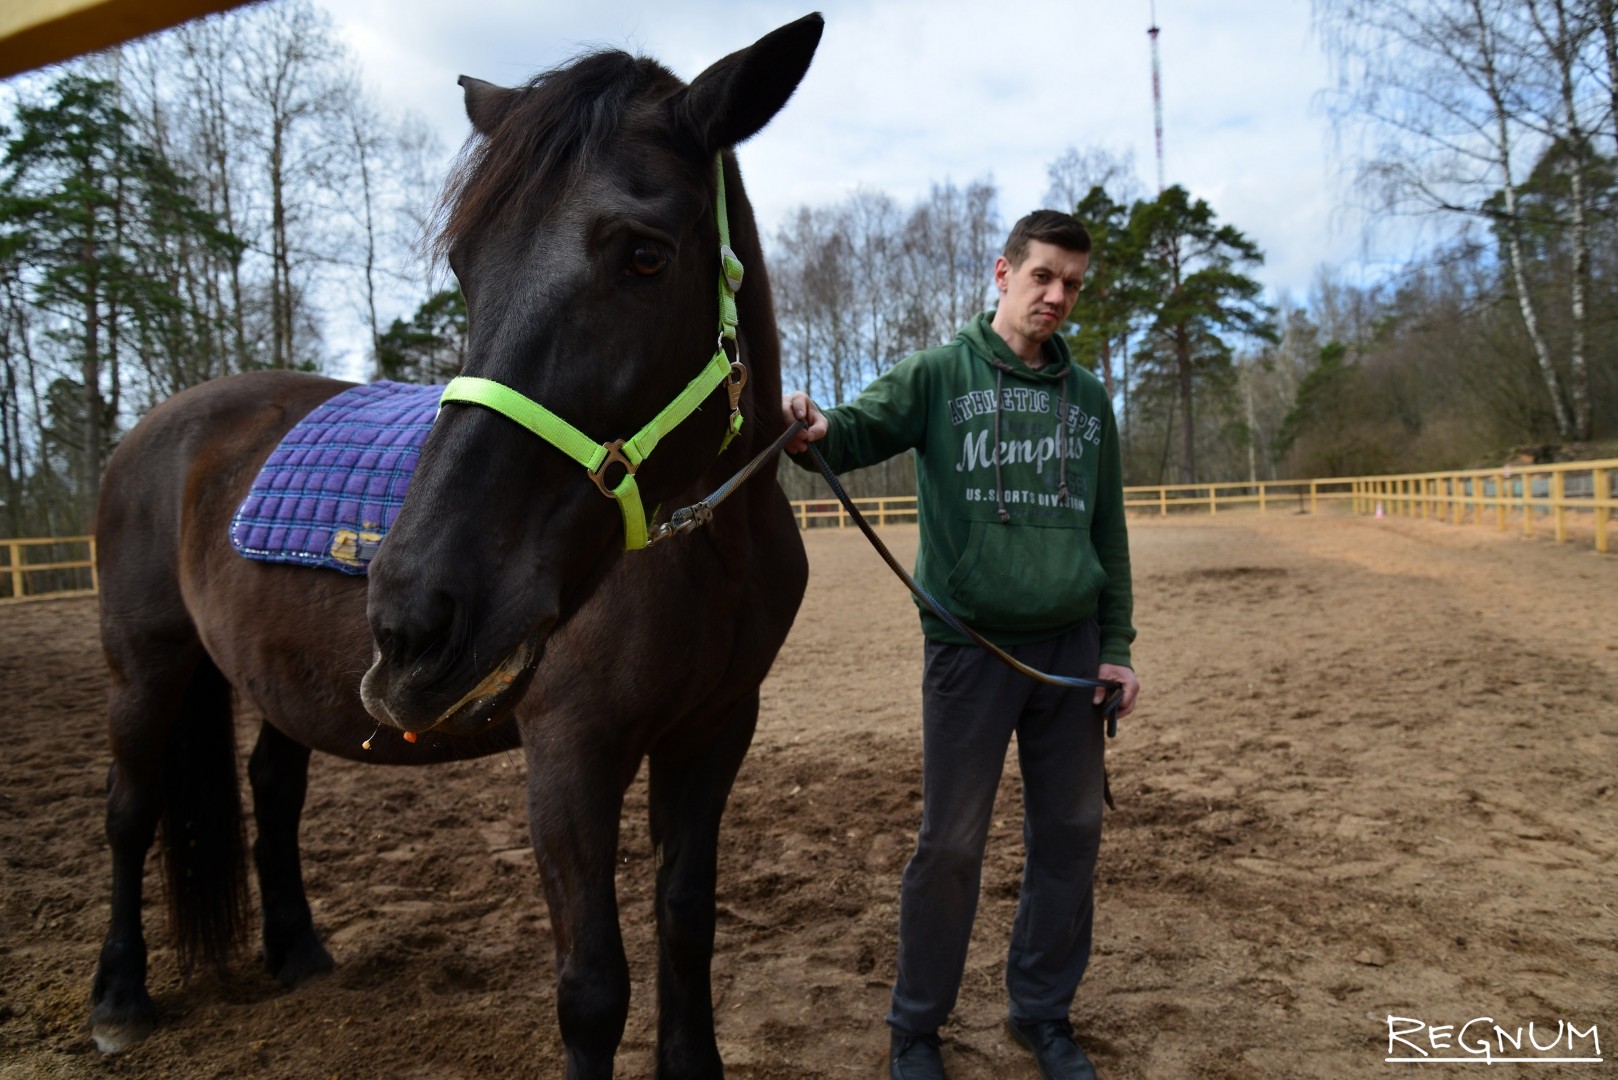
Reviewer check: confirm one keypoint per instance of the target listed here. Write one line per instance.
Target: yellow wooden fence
(1566, 497)
(1533, 494)
(27, 578)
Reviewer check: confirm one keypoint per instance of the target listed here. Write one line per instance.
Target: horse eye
(647, 260)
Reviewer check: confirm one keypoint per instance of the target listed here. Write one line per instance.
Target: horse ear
(738, 95)
(486, 103)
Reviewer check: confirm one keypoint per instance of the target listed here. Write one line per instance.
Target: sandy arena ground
(1375, 772)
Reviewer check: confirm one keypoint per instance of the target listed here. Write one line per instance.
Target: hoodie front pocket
(1024, 577)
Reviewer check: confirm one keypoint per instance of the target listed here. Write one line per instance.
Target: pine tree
(1189, 264)
(95, 220)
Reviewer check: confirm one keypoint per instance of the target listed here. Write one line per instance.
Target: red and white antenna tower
(1157, 96)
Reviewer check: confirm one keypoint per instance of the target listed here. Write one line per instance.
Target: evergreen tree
(1110, 303)
(1189, 264)
(431, 347)
(91, 215)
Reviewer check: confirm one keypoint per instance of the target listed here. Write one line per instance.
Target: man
(1020, 500)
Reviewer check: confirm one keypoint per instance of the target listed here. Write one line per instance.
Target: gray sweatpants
(971, 704)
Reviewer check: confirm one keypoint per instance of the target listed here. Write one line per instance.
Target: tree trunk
(1519, 274)
(1566, 51)
(280, 270)
(1609, 33)
(1188, 450)
(1252, 425)
(90, 374)
(1106, 364)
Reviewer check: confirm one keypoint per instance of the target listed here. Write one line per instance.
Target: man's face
(1037, 296)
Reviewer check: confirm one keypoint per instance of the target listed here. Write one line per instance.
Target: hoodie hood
(985, 343)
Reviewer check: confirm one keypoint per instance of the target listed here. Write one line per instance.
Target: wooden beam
(34, 33)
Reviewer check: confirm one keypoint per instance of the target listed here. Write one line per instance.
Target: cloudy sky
(905, 93)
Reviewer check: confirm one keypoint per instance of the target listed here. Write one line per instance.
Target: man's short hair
(1049, 227)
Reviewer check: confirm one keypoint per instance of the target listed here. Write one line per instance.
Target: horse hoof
(113, 1033)
(305, 964)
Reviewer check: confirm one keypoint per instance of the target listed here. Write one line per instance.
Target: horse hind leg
(689, 784)
(173, 766)
(279, 773)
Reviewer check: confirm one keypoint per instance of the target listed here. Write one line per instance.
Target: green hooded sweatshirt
(1053, 562)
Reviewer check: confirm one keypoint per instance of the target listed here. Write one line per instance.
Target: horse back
(173, 482)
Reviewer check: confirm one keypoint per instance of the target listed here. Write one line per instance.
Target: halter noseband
(631, 452)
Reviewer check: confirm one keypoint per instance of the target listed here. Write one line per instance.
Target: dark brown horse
(502, 608)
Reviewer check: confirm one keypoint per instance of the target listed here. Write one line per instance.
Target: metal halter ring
(615, 453)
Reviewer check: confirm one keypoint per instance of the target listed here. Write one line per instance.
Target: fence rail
(1529, 492)
(45, 567)
(1532, 495)
(1264, 494)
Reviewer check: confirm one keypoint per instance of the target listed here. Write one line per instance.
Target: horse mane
(558, 123)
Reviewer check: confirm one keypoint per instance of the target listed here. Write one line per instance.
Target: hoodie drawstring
(999, 485)
(1061, 441)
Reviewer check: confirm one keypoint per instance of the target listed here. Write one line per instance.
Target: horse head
(583, 225)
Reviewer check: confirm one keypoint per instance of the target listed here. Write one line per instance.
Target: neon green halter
(596, 457)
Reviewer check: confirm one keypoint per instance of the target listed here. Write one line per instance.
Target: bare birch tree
(1460, 98)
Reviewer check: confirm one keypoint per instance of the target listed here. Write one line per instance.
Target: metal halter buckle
(614, 454)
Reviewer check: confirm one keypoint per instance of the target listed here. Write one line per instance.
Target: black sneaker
(914, 1057)
(1058, 1056)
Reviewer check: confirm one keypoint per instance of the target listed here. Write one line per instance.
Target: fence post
(1558, 490)
(16, 568)
(1163, 502)
(1527, 507)
(1601, 491)
(1314, 497)
(1213, 499)
(1500, 501)
(95, 571)
(1261, 490)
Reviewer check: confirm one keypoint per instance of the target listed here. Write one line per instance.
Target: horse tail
(204, 841)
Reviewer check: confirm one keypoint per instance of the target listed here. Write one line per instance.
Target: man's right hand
(797, 406)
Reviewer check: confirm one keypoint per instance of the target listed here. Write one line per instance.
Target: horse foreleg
(689, 783)
(279, 771)
(575, 796)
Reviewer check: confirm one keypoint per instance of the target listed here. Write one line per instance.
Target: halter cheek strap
(598, 457)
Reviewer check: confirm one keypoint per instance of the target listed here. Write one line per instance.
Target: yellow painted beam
(34, 33)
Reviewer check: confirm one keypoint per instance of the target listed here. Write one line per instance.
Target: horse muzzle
(486, 704)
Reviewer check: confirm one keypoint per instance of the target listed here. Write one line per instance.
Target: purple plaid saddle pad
(329, 493)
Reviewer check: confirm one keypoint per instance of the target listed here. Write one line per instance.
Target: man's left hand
(1121, 674)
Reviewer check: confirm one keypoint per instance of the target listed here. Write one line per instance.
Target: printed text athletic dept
(1080, 428)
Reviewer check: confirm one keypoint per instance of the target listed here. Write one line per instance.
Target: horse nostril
(414, 625)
